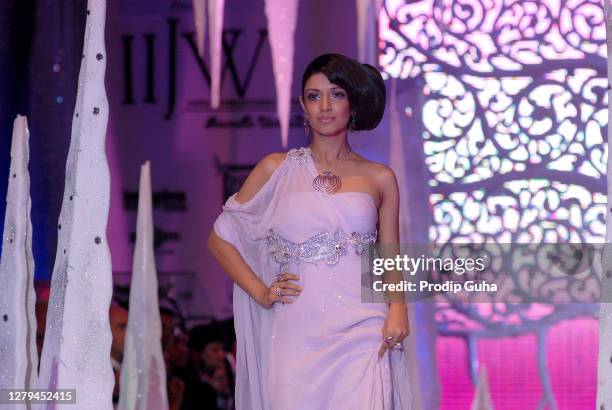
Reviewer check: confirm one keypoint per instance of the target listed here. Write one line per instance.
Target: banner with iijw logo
(159, 94)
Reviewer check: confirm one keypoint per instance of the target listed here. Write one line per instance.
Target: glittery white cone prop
(282, 20)
(199, 15)
(18, 355)
(482, 396)
(604, 371)
(76, 352)
(215, 14)
(143, 375)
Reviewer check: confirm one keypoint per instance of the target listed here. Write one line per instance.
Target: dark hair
(124, 304)
(202, 335)
(166, 311)
(363, 83)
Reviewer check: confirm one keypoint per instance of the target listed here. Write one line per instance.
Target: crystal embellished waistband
(324, 246)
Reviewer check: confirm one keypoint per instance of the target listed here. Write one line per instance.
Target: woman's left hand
(396, 327)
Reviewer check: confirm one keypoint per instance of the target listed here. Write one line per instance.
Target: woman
(291, 240)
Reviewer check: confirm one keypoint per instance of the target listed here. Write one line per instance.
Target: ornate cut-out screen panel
(515, 101)
(513, 119)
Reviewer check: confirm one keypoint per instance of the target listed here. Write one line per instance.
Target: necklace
(328, 181)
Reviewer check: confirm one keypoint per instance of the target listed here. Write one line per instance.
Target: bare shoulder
(259, 176)
(380, 174)
(270, 162)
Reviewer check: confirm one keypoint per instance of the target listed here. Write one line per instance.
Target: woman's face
(326, 106)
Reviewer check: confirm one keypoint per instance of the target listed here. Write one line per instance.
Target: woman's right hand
(280, 289)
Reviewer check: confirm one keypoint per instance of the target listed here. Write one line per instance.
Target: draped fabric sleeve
(245, 227)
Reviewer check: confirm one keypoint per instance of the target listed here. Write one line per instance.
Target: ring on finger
(278, 292)
(398, 346)
(279, 277)
(388, 340)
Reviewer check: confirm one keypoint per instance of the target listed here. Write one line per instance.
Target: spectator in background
(229, 341)
(41, 324)
(168, 323)
(42, 303)
(176, 355)
(118, 317)
(209, 381)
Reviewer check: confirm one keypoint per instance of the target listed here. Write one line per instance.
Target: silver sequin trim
(324, 246)
(301, 155)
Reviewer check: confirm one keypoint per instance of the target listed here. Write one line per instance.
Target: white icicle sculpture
(199, 15)
(282, 20)
(215, 15)
(604, 370)
(143, 374)
(482, 395)
(215, 37)
(367, 36)
(76, 352)
(18, 355)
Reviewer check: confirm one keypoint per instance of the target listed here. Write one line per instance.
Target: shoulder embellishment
(301, 155)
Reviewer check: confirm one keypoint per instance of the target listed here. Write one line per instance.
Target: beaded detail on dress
(301, 155)
(324, 246)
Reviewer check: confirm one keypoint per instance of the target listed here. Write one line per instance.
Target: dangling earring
(306, 126)
(352, 122)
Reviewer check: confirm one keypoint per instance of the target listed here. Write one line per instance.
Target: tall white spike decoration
(282, 20)
(367, 30)
(19, 363)
(143, 375)
(199, 15)
(604, 371)
(482, 395)
(76, 351)
(215, 15)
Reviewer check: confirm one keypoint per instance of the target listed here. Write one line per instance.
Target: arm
(396, 324)
(388, 230)
(230, 259)
(237, 269)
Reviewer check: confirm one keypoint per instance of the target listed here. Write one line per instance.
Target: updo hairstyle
(363, 83)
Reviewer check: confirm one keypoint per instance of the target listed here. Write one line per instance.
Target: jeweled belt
(324, 246)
